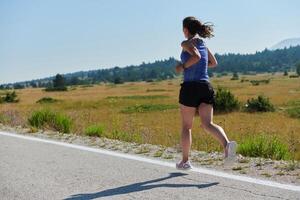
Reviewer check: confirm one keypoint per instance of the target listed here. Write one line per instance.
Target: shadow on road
(136, 187)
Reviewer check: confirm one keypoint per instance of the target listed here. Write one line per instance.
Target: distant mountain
(291, 42)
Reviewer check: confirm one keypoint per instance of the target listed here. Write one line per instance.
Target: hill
(291, 42)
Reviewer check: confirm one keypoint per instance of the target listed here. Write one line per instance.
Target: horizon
(72, 39)
(111, 67)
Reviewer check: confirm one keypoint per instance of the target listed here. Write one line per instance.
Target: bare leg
(187, 116)
(206, 116)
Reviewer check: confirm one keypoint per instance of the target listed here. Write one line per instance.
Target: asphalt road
(38, 170)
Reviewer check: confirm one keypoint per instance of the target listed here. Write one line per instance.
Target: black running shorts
(193, 93)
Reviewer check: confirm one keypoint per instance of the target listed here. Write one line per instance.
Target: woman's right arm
(212, 61)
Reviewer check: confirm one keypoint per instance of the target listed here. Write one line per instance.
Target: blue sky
(42, 38)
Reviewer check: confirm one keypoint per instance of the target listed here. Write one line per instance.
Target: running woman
(196, 93)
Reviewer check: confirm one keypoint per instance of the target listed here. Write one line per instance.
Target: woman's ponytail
(195, 26)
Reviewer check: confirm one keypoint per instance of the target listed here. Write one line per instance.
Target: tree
(58, 84)
(118, 80)
(59, 81)
(298, 68)
(235, 76)
(285, 73)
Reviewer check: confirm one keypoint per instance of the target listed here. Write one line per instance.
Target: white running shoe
(231, 148)
(184, 165)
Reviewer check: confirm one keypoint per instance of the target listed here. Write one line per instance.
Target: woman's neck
(192, 36)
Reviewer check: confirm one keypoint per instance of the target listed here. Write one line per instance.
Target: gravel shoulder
(279, 171)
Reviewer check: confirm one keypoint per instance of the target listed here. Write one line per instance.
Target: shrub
(261, 104)
(95, 130)
(225, 101)
(257, 82)
(10, 97)
(55, 120)
(294, 76)
(47, 100)
(59, 89)
(264, 146)
(148, 108)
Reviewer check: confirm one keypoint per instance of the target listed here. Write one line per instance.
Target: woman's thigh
(187, 115)
(205, 113)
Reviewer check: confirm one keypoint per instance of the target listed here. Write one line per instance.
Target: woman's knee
(186, 127)
(206, 125)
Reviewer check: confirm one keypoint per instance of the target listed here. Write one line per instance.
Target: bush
(225, 101)
(294, 76)
(148, 108)
(59, 89)
(261, 104)
(48, 118)
(95, 130)
(47, 100)
(10, 97)
(257, 82)
(264, 146)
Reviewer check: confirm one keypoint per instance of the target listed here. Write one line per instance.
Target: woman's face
(185, 32)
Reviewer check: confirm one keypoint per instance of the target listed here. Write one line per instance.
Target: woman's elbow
(212, 64)
(197, 57)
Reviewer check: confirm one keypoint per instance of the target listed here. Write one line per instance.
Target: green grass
(264, 146)
(158, 153)
(126, 136)
(293, 109)
(137, 97)
(48, 118)
(3, 119)
(95, 130)
(148, 108)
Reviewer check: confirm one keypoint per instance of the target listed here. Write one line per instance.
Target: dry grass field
(106, 104)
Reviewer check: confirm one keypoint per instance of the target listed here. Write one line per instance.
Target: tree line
(264, 61)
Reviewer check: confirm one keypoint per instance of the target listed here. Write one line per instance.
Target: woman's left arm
(193, 59)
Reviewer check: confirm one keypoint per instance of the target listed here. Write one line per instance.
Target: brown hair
(196, 26)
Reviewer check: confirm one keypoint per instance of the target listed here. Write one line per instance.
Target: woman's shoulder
(196, 41)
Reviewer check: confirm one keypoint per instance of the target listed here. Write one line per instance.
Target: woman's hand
(179, 68)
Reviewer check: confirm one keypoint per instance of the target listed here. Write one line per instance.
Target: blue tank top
(197, 71)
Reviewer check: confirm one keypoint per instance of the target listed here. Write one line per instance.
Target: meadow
(148, 112)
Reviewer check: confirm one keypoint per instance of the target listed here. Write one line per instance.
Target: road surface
(35, 169)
